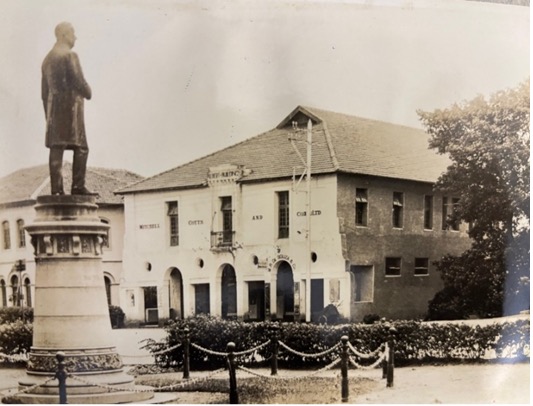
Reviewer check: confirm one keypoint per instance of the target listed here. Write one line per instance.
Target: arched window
(21, 233)
(106, 236)
(3, 292)
(27, 286)
(6, 235)
(15, 296)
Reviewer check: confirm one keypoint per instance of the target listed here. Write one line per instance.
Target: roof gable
(341, 143)
(28, 183)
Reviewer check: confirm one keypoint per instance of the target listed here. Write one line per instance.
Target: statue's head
(65, 34)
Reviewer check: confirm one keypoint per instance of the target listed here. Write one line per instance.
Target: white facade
(196, 275)
(9, 276)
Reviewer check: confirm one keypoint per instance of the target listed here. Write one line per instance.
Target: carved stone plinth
(71, 313)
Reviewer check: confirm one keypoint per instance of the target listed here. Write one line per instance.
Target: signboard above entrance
(226, 173)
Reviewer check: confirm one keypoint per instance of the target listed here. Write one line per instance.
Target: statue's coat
(63, 91)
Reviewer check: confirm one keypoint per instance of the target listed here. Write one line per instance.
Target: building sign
(148, 226)
(226, 174)
(257, 217)
(280, 257)
(313, 213)
(195, 222)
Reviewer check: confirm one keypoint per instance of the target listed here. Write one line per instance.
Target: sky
(175, 80)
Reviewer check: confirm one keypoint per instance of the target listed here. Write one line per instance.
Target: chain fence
(346, 354)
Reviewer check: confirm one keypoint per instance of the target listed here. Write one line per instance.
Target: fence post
(233, 394)
(61, 376)
(344, 369)
(275, 350)
(390, 364)
(186, 354)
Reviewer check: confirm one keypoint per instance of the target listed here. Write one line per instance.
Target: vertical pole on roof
(308, 218)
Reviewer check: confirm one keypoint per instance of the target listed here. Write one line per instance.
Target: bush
(416, 342)
(12, 314)
(370, 318)
(116, 314)
(15, 337)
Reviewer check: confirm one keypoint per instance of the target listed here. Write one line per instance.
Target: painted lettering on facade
(313, 213)
(257, 217)
(225, 174)
(195, 222)
(280, 257)
(148, 226)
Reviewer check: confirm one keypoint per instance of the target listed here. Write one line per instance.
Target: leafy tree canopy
(488, 145)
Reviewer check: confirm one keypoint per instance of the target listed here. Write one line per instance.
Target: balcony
(222, 240)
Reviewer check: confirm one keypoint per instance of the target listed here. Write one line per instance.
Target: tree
(487, 142)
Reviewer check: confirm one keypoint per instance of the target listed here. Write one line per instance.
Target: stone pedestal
(71, 312)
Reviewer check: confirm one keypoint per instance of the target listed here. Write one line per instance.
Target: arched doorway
(229, 292)
(176, 294)
(285, 292)
(107, 282)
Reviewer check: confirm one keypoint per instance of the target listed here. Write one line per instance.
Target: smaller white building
(18, 194)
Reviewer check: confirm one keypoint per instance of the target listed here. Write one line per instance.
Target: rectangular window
(227, 219)
(173, 220)
(6, 234)
(361, 207)
(362, 278)
(106, 236)
(283, 214)
(455, 208)
(449, 211)
(21, 233)
(421, 266)
(428, 212)
(397, 210)
(393, 266)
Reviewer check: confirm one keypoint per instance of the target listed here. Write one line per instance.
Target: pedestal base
(71, 314)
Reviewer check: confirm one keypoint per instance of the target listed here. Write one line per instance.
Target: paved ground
(481, 384)
(128, 341)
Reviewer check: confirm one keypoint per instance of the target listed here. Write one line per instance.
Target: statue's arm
(78, 80)
(44, 94)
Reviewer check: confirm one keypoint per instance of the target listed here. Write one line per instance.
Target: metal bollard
(384, 368)
(233, 394)
(390, 364)
(275, 350)
(344, 369)
(61, 376)
(186, 353)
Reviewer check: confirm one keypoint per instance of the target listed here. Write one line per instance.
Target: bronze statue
(63, 91)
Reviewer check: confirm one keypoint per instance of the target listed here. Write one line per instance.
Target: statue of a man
(63, 91)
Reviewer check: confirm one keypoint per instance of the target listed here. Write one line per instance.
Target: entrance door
(176, 295)
(256, 300)
(285, 292)
(201, 298)
(317, 298)
(229, 292)
(151, 315)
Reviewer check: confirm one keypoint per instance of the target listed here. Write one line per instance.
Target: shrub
(12, 314)
(116, 314)
(15, 337)
(370, 318)
(416, 342)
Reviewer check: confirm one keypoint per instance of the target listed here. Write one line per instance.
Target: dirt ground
(481, 384)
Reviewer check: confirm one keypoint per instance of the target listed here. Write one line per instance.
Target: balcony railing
(222, 240)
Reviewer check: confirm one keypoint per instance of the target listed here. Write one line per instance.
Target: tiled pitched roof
(341, 143)
(28, 183)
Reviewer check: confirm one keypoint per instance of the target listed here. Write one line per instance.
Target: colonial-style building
(241, 233)
(18, 193)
